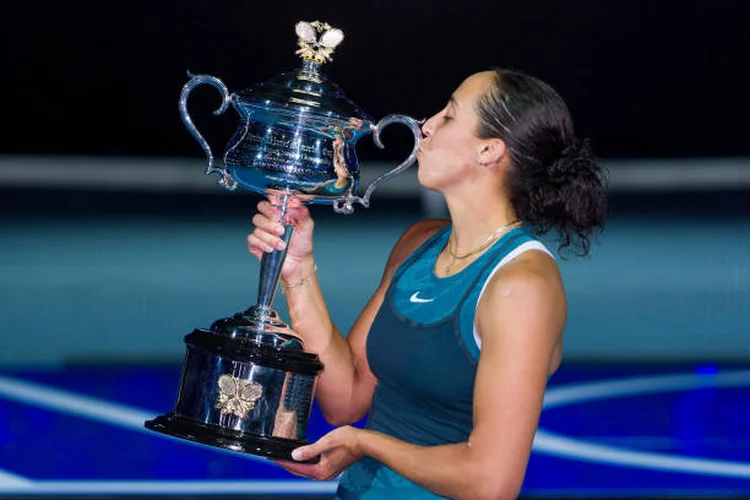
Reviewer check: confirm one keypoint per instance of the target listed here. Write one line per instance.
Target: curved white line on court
(549, 443)
(59, 400)
(635, 386)
(8, 480)
(54, 399)
(283, 487)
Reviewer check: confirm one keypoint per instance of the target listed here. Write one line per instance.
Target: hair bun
(576, 159)
(580, 149)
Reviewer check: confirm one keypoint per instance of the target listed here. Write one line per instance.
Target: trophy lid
(306, 90)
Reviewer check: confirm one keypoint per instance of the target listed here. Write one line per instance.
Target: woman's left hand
(337, 450)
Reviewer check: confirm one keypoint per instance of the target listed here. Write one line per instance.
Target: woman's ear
(491, 152)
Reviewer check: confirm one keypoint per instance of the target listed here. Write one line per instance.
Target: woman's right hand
(268, 232)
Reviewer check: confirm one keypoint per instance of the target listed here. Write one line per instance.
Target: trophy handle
(225, 180)
(344, 205)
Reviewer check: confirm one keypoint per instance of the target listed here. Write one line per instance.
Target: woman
(451, 355)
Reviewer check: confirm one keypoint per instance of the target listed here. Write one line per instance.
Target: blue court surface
(619, 431)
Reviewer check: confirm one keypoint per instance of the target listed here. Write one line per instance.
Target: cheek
(455, 143)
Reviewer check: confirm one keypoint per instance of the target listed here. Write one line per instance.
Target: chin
(433, 178)
(422, 176)
(429, 184)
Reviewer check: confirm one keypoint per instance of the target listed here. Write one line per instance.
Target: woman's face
(450, 146)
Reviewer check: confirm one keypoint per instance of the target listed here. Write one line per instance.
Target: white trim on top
(523, 247)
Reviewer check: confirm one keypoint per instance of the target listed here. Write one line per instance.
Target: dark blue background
(642, 78)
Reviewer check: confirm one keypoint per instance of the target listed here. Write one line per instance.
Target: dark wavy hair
(554, 180)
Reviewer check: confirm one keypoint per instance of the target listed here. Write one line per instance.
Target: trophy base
(269, 447)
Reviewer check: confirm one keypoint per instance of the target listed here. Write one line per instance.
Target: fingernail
(296, 454)
(281, 245)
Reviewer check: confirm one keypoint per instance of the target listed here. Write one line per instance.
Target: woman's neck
(476, 218)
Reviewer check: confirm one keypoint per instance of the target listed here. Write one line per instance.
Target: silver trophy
(247, 384)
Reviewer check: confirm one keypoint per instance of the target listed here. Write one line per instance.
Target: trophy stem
(271, 263)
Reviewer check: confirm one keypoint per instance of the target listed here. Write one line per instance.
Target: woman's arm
(520, 318)
(346, 385)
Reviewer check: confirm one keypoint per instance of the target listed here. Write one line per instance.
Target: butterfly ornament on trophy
(236, 396)
(317, 48)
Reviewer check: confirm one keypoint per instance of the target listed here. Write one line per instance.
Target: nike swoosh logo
(414, 298)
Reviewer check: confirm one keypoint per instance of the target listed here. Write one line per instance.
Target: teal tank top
(422, 350)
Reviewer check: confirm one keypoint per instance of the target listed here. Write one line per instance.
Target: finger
(299, 217)
(277, 201)
(270, 217)
(296, 201)
(304, 453)
(298, 469)
(270, 210)
(264, 242)
(273, 226)
(311, 450)
(273, 198)
(261, 241)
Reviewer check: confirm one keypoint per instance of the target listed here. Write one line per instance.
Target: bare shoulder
(527, 290)
(411, 239)
(533, 268)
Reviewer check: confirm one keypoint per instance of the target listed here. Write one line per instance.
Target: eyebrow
(452, 101)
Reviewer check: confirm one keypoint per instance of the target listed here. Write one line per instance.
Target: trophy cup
(247, 384)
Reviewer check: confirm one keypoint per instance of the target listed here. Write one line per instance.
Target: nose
(427, 126)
